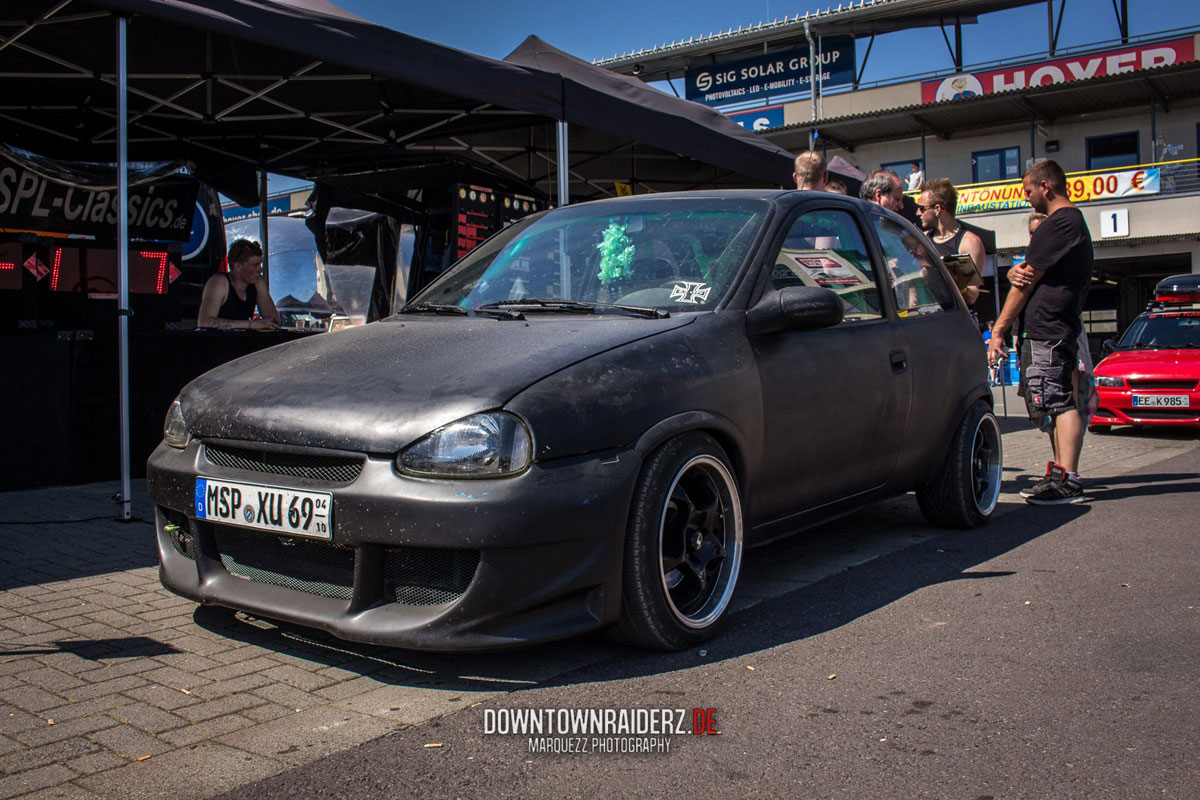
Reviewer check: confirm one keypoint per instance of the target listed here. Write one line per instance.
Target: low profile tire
(1101, 429)
(683, 546)
(964, 492)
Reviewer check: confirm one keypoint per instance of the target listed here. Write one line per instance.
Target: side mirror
(795, 308)
(1108, 346)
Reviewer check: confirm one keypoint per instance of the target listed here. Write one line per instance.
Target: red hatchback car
(1152, 375)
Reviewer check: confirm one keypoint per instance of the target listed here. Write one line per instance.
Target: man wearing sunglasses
(935, 207)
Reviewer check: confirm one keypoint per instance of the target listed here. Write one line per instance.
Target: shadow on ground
(807, 611)
(72, 532)
(96, 649)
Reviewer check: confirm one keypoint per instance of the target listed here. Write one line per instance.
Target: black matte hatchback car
(582, 425)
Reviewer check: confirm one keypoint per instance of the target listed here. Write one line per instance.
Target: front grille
(427, 576)
(319, 568)
(1163, 413)
(1148, 383)
(331, 469)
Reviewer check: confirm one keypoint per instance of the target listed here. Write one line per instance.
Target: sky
(592, 30)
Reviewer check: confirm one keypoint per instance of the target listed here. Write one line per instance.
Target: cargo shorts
(1047, 379)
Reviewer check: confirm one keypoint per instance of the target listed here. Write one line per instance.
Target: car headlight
(175, 432)
(1104, 380)
(479, 446)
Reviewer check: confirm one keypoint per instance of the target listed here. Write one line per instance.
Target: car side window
(826, 248)
(919, 285)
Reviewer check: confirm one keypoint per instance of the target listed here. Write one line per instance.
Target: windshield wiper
(644, 311)
(444, 308)
(578, 307)
(536, 304)
(434, 308)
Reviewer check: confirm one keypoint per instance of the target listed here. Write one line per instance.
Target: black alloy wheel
(693, 542)
(683, 548)
(966, 488)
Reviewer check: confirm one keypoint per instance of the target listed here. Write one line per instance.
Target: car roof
(784, 197)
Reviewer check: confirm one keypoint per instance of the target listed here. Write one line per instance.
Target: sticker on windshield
(693, 292)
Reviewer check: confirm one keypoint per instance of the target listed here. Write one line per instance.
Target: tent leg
(564, 177)
(262, 225)
(996, 300)
(123, 310)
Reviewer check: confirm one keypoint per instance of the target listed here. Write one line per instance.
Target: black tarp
(625, 106)
(293, 86)
(303, 88)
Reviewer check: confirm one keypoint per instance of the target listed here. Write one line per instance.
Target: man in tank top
(936, 207)
(230, 298)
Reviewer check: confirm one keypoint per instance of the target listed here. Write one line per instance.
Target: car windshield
(673, 254)
(1163, 331)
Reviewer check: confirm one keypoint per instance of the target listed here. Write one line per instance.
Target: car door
(835, 401)
(938, 335)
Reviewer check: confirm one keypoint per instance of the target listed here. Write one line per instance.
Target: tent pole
(996, 300)
(123, 310)
(812, 80)
(262, 225)
(564, 177)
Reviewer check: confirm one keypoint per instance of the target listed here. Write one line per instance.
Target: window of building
(904, 170)
(826, 248)
(996, 165)
(1113, 152)
(920, 287)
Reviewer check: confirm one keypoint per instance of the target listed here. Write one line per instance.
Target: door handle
(899, 361)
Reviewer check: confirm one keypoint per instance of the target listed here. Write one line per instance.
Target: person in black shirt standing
(1048, 295)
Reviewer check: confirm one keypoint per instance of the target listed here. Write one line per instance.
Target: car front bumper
(416, 563)
(1116, 408)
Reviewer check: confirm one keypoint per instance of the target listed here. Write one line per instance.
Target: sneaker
(1035, 489)
(1040, 486)
(1062, 489)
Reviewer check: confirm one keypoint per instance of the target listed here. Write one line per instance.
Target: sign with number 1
(1114, 222)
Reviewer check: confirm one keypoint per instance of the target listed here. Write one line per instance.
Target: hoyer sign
(1091, 65)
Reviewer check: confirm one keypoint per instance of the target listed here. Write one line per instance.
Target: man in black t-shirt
(1048, 295)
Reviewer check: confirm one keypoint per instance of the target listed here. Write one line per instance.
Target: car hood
(380, 387)
(1151, 363)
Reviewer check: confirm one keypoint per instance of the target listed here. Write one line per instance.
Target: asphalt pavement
(1051, 656)
(964, 665)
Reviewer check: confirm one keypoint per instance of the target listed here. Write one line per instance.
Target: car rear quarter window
(918, 283)
(826, 248)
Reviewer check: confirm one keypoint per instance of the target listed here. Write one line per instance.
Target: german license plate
(1161, 401)
(267, 508)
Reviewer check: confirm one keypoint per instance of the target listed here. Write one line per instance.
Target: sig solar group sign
(784, 73)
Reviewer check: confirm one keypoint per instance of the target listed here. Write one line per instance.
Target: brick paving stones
(150, 696)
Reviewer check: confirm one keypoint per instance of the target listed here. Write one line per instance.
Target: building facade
(1121, 117)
